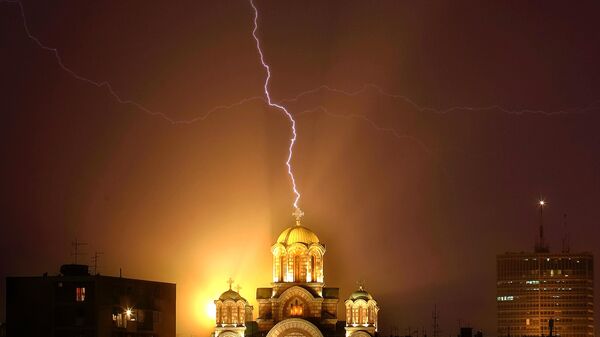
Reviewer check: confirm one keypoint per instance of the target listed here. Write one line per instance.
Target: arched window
(296, 309)
(297, 269)
(361, 314)
(228, 319)
(240, 317)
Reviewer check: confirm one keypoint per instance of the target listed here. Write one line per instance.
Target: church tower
(232, 313)
(298, 289)
(361, 314)
(298, 257)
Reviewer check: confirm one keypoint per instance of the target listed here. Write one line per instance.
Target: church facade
(298, 304)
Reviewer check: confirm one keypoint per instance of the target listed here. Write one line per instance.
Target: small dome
(297, 234)
(231, 295)
(360, 294)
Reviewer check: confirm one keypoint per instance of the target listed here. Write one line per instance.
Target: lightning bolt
(278, 106)
(121, 100)
(594, 105)
(111, 90)
(373, 124)
(206, 114)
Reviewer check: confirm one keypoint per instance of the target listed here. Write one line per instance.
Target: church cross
(230, 282)
(360, 284)
(298, 214)
(238, 288)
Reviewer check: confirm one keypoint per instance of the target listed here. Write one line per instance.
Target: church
(298, 303)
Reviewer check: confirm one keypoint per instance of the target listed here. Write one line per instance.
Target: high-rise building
(545, 294)
(534, 288)
(77, 304)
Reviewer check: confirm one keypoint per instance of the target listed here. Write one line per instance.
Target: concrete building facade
(535, 288)
(77, 304)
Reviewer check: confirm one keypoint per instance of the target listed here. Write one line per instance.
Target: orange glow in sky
(213, 261)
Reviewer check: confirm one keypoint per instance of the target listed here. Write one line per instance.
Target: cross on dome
(298, 214)
(230, 282)
(361, 284)
(238, 288)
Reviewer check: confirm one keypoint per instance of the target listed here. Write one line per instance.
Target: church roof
(231, 295)
(297, 233)
(360, 294)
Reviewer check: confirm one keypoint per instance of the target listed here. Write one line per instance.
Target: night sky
(440, 126)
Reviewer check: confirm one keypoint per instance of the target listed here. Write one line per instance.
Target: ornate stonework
(294, 327)
(232, 313)
(361, 314)
(298, 304)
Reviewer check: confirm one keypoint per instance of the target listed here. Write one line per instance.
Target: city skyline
(427, 134)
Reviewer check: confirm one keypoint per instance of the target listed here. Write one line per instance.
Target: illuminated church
(298, 303)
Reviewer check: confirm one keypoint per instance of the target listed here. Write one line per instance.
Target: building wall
(533, 288)
(153, 305)
(50, 306)
(29, 307)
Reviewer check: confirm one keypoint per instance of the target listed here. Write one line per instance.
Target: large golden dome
(297, 234)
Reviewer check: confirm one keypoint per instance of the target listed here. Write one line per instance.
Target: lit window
(296, 309)
(119, 320)
(79, 294)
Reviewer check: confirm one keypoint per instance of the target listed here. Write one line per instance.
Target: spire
(566, 244)
(541, 246)
(298, 214)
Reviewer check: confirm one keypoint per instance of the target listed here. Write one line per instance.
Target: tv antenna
(95, 263)
(76, 252)
(436, 326)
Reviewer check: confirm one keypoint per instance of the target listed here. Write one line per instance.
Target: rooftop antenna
(76, 251)
(566, 245)
(541, 246)
(95, 259)
(436, 317)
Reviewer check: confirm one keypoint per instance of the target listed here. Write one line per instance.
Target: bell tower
(297, 290)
